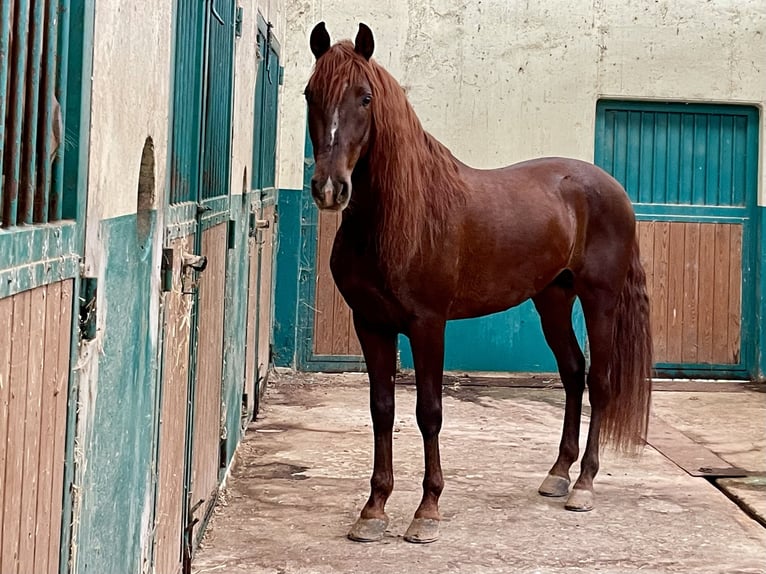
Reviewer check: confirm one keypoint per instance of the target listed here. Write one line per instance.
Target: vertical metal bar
(12, 155)
(29, 140)
(5, 39)
(56, 202)
(42, 198)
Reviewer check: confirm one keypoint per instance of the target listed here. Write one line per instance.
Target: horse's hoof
(554, 486)
(422, 531)
(368, 529)
(580, 500)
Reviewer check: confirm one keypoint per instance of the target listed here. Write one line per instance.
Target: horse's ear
(364, 44)
(320, 40)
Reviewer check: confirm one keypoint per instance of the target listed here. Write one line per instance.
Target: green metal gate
(691, 171)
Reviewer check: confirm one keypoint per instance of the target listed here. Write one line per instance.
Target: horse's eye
(366, 100)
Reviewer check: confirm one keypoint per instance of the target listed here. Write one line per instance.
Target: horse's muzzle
(331, 194)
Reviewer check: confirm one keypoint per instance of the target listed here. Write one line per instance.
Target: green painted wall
(116, 487)
(760, 319)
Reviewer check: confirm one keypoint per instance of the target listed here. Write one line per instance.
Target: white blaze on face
(333, 127)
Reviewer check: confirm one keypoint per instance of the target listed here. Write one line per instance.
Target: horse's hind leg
(379, 350)
(554, 304)
(599, 307)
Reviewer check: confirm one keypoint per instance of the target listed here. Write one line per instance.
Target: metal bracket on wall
(167, 269)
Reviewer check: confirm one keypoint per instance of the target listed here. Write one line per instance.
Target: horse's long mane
(414, 178)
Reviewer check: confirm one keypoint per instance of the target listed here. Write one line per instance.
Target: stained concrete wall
(118, 382)
(501, 81)
(244, 84)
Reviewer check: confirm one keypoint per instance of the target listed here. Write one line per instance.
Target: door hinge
(222, 455)
(87, 318)
(166, 269)
(238, 22)
(281, 75)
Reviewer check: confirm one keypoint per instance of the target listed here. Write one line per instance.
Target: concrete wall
(501, 81)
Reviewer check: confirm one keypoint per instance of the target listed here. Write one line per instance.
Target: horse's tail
(627, 414)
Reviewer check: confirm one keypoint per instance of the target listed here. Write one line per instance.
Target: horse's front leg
(427, 340)
(379, 350)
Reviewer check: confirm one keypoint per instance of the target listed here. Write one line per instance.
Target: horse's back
(526, 223)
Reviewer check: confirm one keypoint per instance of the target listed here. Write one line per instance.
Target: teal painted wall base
(508, 341)
(288, 266)
(116, 474)
(760, 319)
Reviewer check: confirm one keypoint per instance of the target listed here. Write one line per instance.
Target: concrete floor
(303, 473)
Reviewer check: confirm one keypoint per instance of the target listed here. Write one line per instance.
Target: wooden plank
(61, 394)
(660, 291)
(691, 292)
(706, 299)
(694, 458)
(645, 233)
(31, 466)
(341, 317)
(324, 295)
(48, 428)
(14, 479)
(722, 259)
(6, 339)
(172, 445)
(675, 292)
(734, 340)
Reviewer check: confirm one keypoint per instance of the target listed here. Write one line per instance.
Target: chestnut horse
(426, 239)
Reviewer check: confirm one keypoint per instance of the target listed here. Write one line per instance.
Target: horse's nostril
(343, 193)
(315, 189)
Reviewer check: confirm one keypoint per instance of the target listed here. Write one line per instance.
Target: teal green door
(691, 171)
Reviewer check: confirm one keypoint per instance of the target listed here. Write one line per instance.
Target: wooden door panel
(694, 276)
(333, 325)
(173, 436)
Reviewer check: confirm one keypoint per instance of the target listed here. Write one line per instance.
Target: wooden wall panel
(6, 344)
(695, 282)
(207, 398)
(61, 397)
(9, 559)
(333, 325)
(31, 466)
(35, 336)
(172, 446)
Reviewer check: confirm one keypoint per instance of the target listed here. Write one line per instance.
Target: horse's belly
(486, 289)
